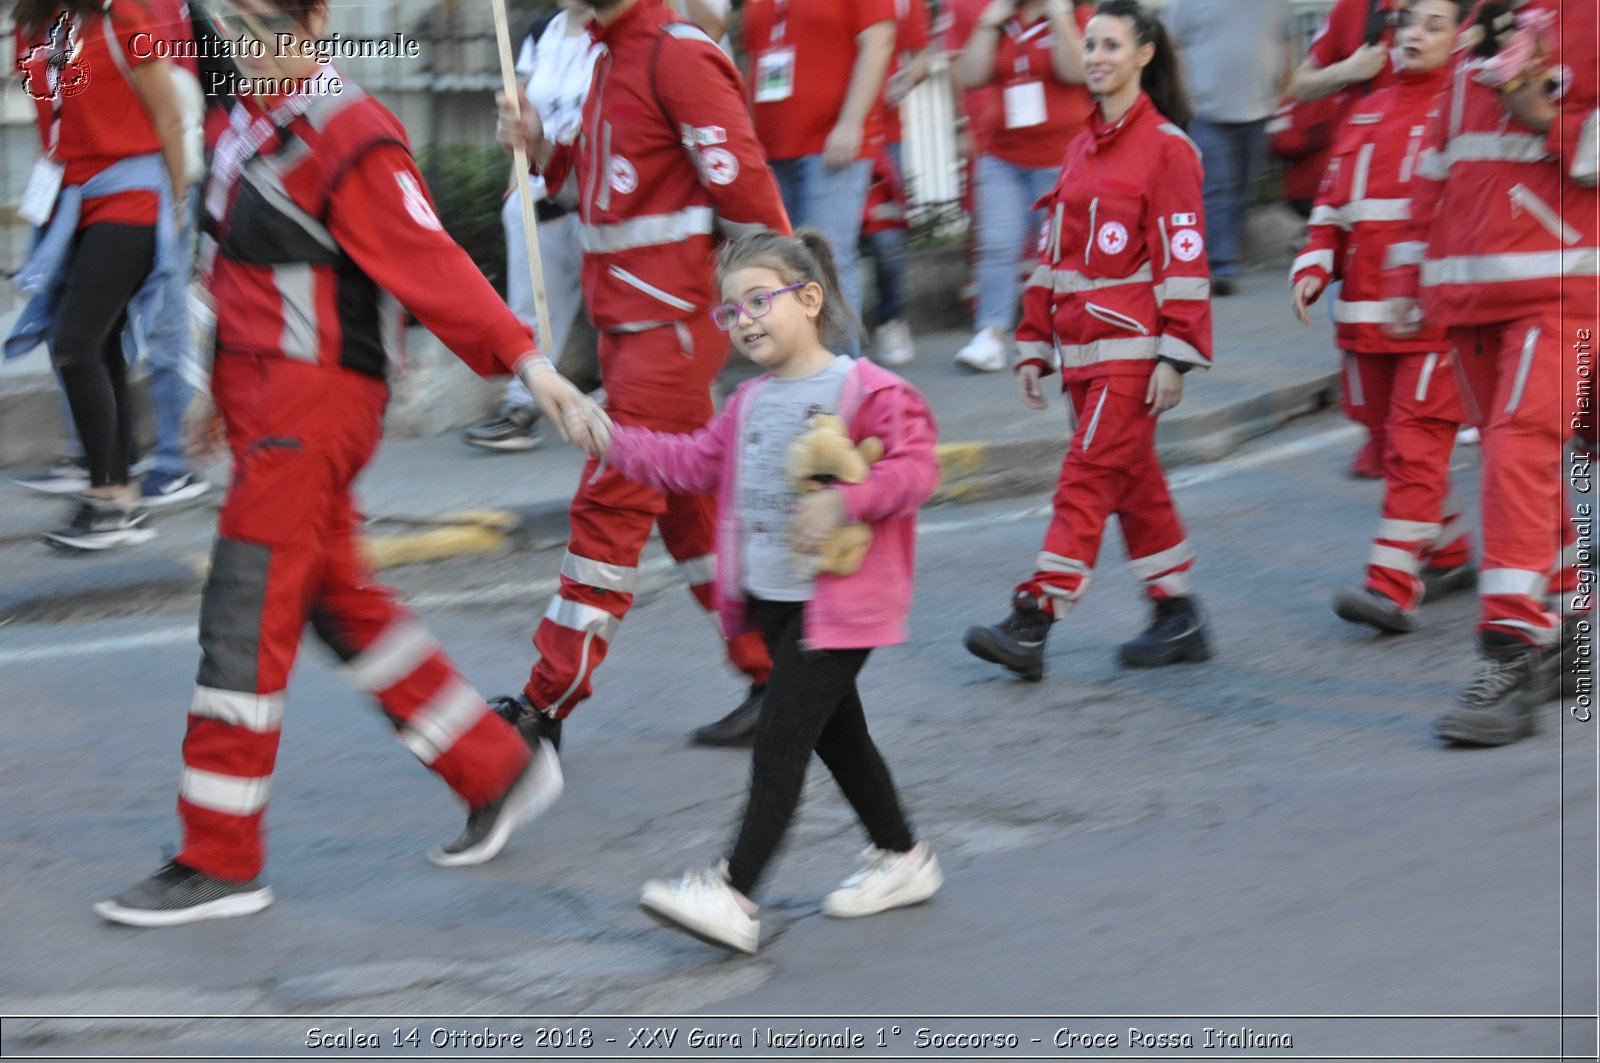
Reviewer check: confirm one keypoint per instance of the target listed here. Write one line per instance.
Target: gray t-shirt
(781, 411)
(1233, 58)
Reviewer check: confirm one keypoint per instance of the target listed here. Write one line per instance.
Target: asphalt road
(1273, 833)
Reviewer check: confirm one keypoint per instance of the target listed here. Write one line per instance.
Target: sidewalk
(431, 498)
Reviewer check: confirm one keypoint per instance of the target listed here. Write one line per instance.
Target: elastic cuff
(1181, 367)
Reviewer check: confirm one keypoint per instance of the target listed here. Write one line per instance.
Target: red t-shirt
(1022, 59)
(801, 57)
(910, 38)
(1346, 31)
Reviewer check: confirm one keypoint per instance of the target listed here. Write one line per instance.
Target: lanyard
(1022, 63)
(239, 146)
(780, 22)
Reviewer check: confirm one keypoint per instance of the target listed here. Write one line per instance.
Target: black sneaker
(65, 477)
(534, 723)
(1177, 632)
(489, 828)
(97, 526)
(160, 491)
(1375, 609)
(1498, 706)
(513, 430)
(1441, 582)
(177, 894)
(738, 728)
(1017, 642)
(1569, 660)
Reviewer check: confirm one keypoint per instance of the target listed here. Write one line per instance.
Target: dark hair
(35, 15)
(299, 10)
(806, 257)
(1162, 81)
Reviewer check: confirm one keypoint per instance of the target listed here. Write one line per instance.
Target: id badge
(39, 198)
(1025, 105)
(774, 75)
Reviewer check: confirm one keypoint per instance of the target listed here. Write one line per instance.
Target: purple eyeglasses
(756, 304)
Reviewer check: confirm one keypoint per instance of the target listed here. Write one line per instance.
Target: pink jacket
(847, 612)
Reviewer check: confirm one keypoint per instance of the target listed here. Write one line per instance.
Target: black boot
(1367, 606)
(533, 723)
(738, 728)
(1499, 706)
(1017, 641)
(1570, 659)
(1177, 632)
(1441, 582)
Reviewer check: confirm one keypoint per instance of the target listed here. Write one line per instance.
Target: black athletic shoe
(177, 894)
(489, 828)
(1499, 705)
(1441, 582)
(1017, 642)
(1177, 632)
(513, 430)
(534, 723)
(1569, 660)
(738, 728)
(1367, 606)
(96, 526)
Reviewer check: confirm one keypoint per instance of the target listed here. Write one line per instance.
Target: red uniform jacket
(327, 231)
(1500, 229)
(1122, 277)
(1364, 206)
(666, 166)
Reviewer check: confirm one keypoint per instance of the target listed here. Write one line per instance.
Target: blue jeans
(830, 201)
(1233, 153)
(1007, 227)
(888, 248)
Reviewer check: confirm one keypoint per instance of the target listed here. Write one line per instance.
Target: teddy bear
(825, 455)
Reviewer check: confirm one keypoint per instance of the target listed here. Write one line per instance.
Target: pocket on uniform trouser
(662, 378)
(1115, 429)
(281, 491)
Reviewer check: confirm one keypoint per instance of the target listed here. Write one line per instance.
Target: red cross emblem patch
(1187, 245)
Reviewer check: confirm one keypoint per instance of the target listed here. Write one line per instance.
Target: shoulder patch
(1173, 131)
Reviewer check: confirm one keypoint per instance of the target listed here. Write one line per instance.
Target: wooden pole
(519, 160)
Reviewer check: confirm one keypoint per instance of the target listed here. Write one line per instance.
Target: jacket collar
(1106, 132)
(641, 14)
(1410, 83)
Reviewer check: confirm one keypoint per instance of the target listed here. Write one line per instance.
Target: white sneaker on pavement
(984, 353)
(893, 344)
(704, 905)
(886, 880)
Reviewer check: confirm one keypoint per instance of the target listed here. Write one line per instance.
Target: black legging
(109, 263)
(811, 703)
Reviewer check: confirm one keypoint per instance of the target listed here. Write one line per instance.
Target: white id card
(39, 198)
(1025, 105)
(775, 75)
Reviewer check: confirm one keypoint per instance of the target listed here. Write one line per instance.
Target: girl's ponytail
(1162, 79)
(805, 257)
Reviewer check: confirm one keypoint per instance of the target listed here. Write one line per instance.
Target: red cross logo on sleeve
(1187, 245)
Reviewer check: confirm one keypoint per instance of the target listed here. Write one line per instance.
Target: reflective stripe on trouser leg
(1085, 495)
(1572, 581)
(1158, 550)
(1166, 574)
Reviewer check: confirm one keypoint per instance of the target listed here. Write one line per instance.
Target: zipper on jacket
(1112, 317)
(604, 202)
(1526, 198)
(1409, 167)
(594, 134)
(650, 289)
(1088, 245)
(1055, 243)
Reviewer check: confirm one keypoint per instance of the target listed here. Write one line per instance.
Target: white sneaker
(1468, 436)
(888, 880)
(984, 353)
(893, 344)
(703, 904)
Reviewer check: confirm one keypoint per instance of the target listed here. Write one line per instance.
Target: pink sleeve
(672, 462)
(905, 477)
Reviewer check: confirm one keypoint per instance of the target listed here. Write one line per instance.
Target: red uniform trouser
(1421, 526)
(1111, 468)
(1519, 378)
(659, 379)
(1365, 385)
(287, 552)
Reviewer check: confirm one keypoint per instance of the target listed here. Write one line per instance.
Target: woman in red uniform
(323, 231)
(1121, 304)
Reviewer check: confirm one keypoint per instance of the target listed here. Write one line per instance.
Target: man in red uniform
(322, 232)
(1506, 254)
(666, 167)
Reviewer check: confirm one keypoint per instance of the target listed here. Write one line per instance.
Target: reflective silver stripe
(1174, 131)
(1166, 242)
(1326, 215)
(1372, 312)
(1542, 636)
(1077, 355)
(1179, 350)
(261, 176)
(1524, 366)
(1035, 350)
(1405, 253)
(1313, 260)
(1497, 147)
(649, 289)
(1458, 100)
(1393, 557)
(1352, 378)
(1040, 277)
(699, 570)
(1062, 600)
(400, 649)
(1177, 584)
(687, 31)
(1069, 281)
(1429, 364)
(1407, 531)
(1586, 158)
(1094, 422)
(1088, 245)
(649, 230)
(1358, 184)
(439, 724)
(575, 616)
(1518, 266)
(1183, 288)
(1154, 564)
(297, 294)
(1433, 165)
(1055, 240)
(1371, 210)
(258, 712)
(599, 574)
(1544, 213)
(231, 794)
(1514, 581)
(1048, 562)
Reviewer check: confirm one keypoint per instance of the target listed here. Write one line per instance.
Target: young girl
(785, 313)
(1122, 299)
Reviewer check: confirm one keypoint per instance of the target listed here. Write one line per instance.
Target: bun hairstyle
(1162, 80)
(804, 258)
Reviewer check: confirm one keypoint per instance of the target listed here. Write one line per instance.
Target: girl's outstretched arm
(674, 462)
